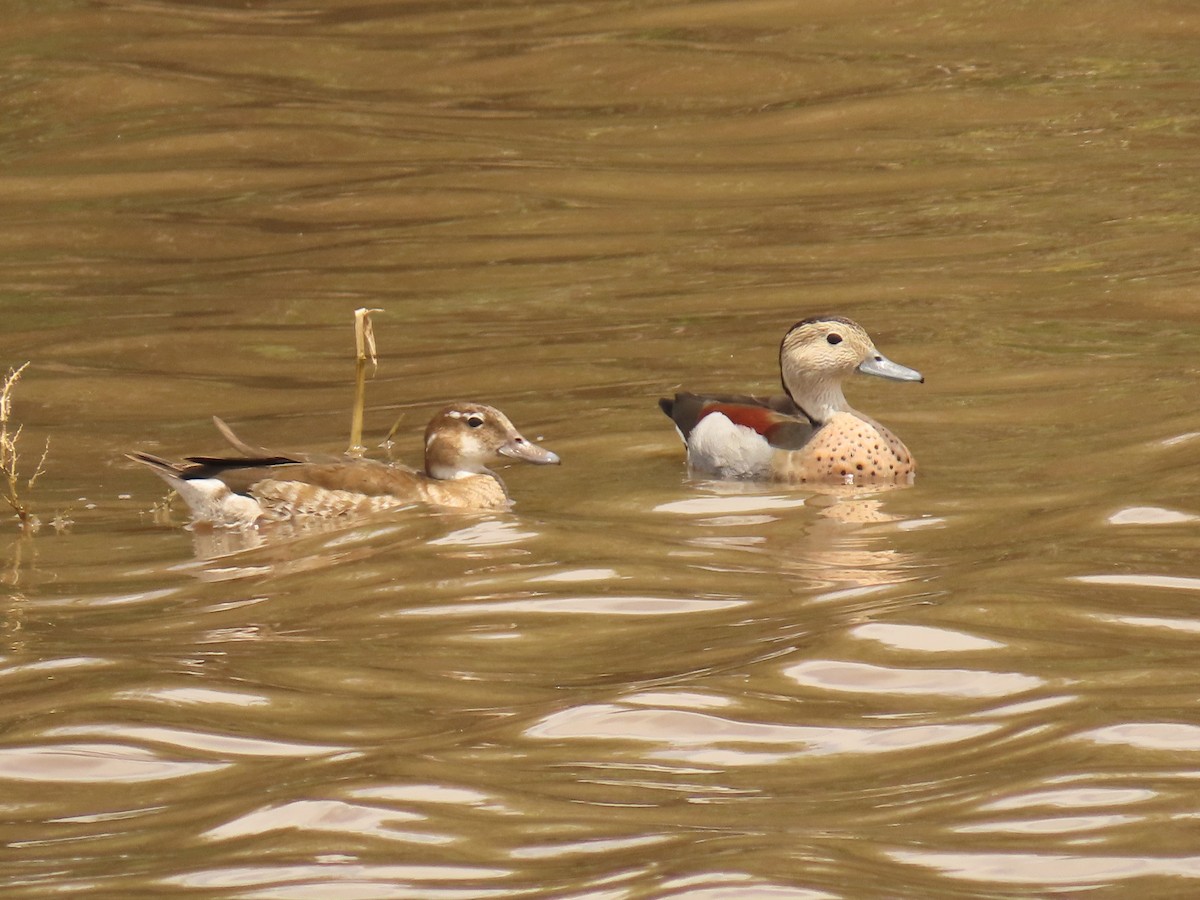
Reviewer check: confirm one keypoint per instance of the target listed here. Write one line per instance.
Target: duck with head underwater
(461, 441)
(811, 435)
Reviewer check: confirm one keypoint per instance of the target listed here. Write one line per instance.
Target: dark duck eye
(474, 420)
(834, 338)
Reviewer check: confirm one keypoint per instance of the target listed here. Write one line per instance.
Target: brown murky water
(634, 685)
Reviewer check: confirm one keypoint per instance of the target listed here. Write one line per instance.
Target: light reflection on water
(100, 763)
(635, 684)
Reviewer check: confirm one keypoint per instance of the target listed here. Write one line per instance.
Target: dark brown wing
(776, 418)
(362, 476)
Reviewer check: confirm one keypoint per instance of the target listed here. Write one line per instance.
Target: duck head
(818, 353)
(464, 438)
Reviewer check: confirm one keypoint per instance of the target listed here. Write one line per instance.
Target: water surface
(635, 684)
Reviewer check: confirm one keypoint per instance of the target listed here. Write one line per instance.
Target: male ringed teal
(811, 435)
(262, 486)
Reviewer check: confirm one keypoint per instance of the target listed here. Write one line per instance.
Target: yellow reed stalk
(364, 352)
(9, 455)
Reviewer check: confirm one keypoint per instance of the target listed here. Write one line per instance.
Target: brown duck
(261, 485)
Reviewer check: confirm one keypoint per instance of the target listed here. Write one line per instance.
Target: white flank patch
(210, 500)
(719, 446)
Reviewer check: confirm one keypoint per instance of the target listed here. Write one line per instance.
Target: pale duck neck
(473, 478)
(454, 473)
(446, 463)
(819, 398)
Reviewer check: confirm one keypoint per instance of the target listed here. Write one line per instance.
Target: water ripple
(839, 675)
(608, 606)
(95, 763)
(1077, 870)
(224, 744)
(333, 816)
(681, 728)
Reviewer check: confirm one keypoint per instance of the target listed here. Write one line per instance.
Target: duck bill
(527, 451)
(882, 367)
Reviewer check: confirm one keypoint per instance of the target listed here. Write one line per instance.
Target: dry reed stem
(9, 456)
(364, 347)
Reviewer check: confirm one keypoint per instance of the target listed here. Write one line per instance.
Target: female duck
(460, 442)
(811, 435)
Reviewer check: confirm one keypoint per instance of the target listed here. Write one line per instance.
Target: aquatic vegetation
(10, 436)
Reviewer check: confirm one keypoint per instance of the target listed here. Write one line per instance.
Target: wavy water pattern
(636, 683)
